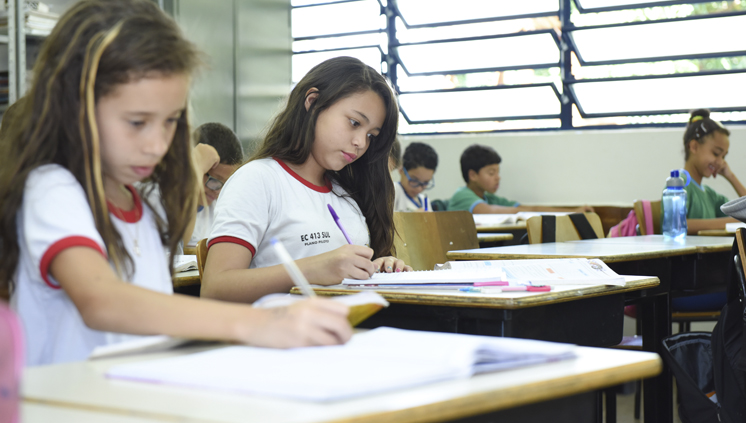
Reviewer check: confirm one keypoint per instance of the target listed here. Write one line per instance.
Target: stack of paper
(494, 219)
(731, 227)
(515, 272)
(380, 360)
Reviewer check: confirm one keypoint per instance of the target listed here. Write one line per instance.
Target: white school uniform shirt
(202, 224)
(54, 216)
(265, 199)
(403, 202)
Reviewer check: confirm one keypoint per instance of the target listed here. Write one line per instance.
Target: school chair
(201, 252)
(572, 227)
(648, 215)
(422, 239)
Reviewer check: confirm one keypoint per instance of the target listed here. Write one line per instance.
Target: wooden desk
(188, 278)
(584, 315)
(610, 250)
(699, 264)
(715, 232)
(559, 391)
(493, 237)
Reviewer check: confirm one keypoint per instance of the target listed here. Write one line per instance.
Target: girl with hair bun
(706, 144)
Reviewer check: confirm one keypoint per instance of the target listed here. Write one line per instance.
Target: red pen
(493, 283)
(529, 288)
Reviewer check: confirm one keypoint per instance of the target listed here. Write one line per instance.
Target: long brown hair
(96, 46)
(367, 179)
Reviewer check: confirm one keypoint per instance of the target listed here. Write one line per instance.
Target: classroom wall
(597, 167)
(247, 46)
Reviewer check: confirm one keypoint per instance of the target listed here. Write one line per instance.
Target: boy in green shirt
(480, 167)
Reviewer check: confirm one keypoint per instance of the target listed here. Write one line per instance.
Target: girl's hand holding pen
(347, 261)
(390, 265)
(311, 322)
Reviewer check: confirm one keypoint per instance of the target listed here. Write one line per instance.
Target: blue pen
(339, 224)
(426, 203)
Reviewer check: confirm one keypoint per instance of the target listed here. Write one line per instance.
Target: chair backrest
(648, 216)
(565, 228)
(11, 364)
(201, 253)
(422, 239)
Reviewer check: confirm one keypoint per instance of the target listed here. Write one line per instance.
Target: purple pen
(336, 220)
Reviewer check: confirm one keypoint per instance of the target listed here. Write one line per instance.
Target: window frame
(391, 62)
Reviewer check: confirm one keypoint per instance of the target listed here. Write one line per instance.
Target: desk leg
(658, 391)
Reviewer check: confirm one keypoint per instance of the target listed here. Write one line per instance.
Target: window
(493, 65)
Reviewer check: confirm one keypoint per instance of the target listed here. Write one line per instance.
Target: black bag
(689, 355)
(729, 353)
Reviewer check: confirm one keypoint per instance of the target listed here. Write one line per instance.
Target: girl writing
(706, 144)
(81, 251)
(329, 147)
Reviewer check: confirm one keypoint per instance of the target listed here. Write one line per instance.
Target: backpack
(628, 226)
(11, 364)
(729, 352)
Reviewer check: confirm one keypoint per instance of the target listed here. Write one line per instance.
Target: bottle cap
(675, 173)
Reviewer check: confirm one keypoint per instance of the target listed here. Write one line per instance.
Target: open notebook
(515, 272)
(379, 360)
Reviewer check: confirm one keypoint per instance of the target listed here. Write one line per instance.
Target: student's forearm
(245, 285)
(696, 225)
(126, 308)
(737, 185)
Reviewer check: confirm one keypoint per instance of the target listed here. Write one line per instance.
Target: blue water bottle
(674, 208)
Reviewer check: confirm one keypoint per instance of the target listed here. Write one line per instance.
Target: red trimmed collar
(318, 188)
(129, 216)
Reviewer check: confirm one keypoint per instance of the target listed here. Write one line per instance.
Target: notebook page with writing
(454, 276)
(379, 360)
(578, 271)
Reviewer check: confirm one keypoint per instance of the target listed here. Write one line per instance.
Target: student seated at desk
(706, 144)
(217, 155)
(82, 254)
(416, 176)
(480, 167)
(328, 147)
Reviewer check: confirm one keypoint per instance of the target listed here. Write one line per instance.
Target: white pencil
(295, 274)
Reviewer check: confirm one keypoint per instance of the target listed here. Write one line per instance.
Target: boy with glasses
(418, 167)
(217, 155)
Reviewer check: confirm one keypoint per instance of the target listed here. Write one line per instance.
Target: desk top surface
(502, 300)
(81, 388)
(608, 249)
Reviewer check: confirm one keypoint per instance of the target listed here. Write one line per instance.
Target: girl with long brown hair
(327, 150)
(82, 254)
